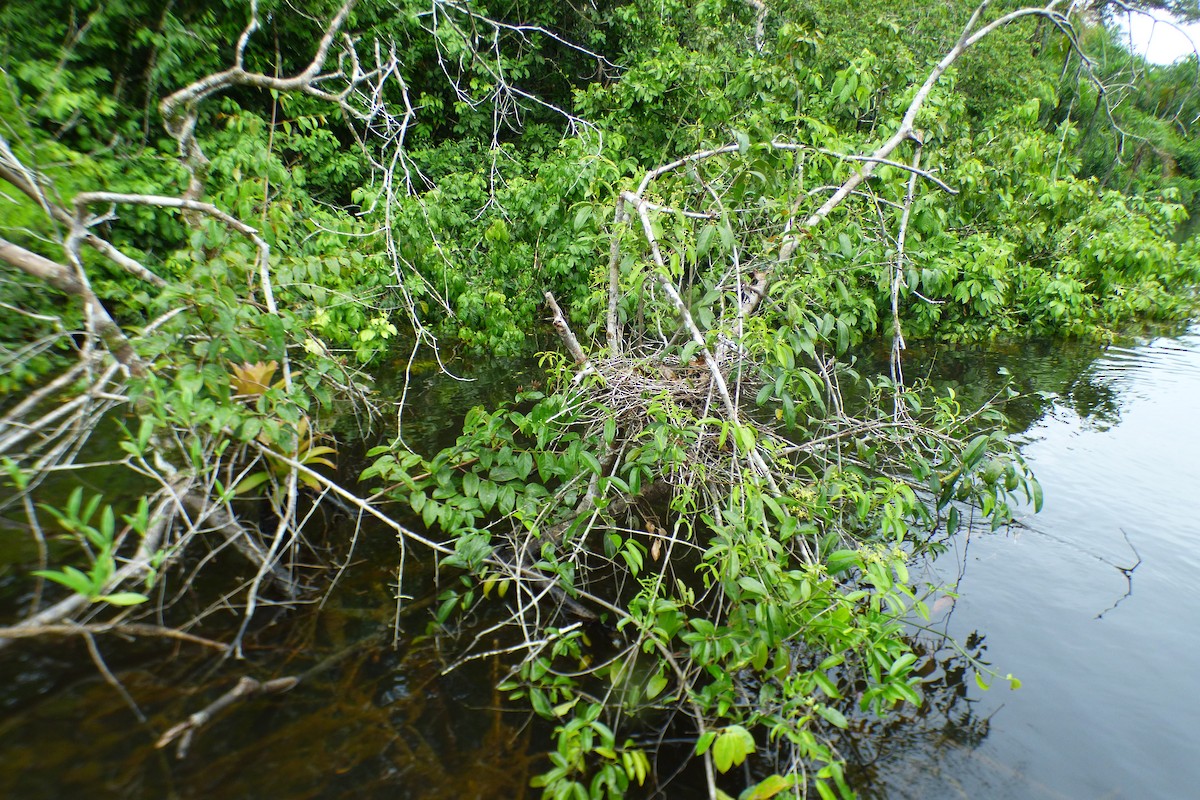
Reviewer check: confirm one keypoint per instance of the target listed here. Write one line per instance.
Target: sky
(1161, 43)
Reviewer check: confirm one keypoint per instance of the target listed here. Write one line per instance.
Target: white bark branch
(69, 281)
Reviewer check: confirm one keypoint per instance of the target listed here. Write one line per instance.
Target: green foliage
(492, 222)
(98, 538)
(583, 739)
(794, 615)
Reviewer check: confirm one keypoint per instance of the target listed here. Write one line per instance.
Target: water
(1092, 603)
(1107, 647)
(368, 720)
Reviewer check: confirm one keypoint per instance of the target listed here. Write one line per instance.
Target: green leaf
(108, 523)
(723, 752)
(845, 245)
(743, 436)
(503, 474)
(561, 710)
(732, 747)
(974, 451)
(952, 521)
(633, 555)
(251, 482)
(727, 239)
(842, 560)
(541, 705)
(70, 577)
(591, 462)
(524, 465)
(506, 499)
(429, 513)
(764, 394)
(123, 598)
(752, 586)
(827, 685)
(251, 428)
(769, 787)
(655, 685)
(487, 494)
(833, 716)
(814, 390)
(582, 216)
(843, 336)
(901, 664)
(446, 607)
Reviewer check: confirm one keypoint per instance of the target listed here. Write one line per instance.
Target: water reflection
(1090, 603)
(368, 720)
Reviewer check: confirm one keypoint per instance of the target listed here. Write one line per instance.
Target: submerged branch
(245, 688)
(131, 629)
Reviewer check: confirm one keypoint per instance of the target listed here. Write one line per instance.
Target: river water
(1091, 603)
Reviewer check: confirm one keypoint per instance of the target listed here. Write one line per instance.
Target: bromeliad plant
(277, 444)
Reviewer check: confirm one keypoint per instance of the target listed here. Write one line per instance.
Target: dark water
(1109, 653)
(373, 716)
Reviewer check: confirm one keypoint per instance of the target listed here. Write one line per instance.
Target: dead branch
(898, 278)
(564, 332)
(612, 324)
(132, 629)
(245, 688)
(714, 369)
(760, 21)
(28, 182)
(180, 110)
(84, 199)
(204, 512)
(72, 282)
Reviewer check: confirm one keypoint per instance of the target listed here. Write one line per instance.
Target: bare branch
(71, 282)
(180, 110)
(246, 687)
(898, 280)
(136, 629)
(564, 332)
(612, 326)
(760, 21)
(84, 199)
(29, 183)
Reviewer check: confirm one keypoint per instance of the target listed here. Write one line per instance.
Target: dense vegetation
(217, 221)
